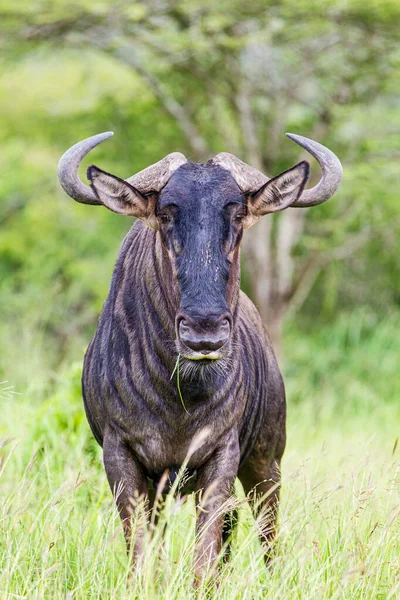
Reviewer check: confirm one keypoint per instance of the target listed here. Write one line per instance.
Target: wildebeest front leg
(260, 478)
(129, 486)
(215, 484)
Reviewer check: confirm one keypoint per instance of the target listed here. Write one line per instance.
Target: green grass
(339, 526)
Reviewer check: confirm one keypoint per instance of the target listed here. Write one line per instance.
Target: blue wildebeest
(175, 292)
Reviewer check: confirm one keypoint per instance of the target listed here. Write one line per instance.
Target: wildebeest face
(199, 212)
(200, 215)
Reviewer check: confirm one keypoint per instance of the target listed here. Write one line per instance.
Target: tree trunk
(269, 264)
(274, 324)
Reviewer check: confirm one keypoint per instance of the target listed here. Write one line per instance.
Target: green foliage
(347, 368)
(57, 86)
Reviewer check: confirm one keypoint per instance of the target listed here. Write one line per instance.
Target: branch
(257, 253)
(10, 211)
(304, 285)
(305, 282)
(249, 130)
(289, 228)
(104, 40)
(308, 275)
(170, 104)
(224, 129)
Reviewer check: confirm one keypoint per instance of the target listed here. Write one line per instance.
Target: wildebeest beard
(196, 377)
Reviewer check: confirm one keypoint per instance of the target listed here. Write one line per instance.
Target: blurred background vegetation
(202, 77)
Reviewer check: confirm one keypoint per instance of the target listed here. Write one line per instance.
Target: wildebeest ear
(278, 193)
(121, 197)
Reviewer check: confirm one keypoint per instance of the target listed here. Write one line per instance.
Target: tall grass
(339, 524)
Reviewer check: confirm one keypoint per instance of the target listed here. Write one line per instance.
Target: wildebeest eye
(164, 218)
(239, 218)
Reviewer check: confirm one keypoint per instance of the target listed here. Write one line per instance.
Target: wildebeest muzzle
(203, 337)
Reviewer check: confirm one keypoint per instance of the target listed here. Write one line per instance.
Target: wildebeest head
(200, 212)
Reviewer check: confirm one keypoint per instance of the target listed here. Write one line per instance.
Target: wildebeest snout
(204, 334)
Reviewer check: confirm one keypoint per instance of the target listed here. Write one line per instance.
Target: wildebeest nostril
(204, 339)
(225, 325)
(183, 327)
(203, 345)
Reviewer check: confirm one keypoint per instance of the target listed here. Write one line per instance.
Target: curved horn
(154, 177)
(250, 179)
(151, 179)
(67, 169)
(331, 168)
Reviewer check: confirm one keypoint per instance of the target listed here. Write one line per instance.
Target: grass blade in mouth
(176, 369)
